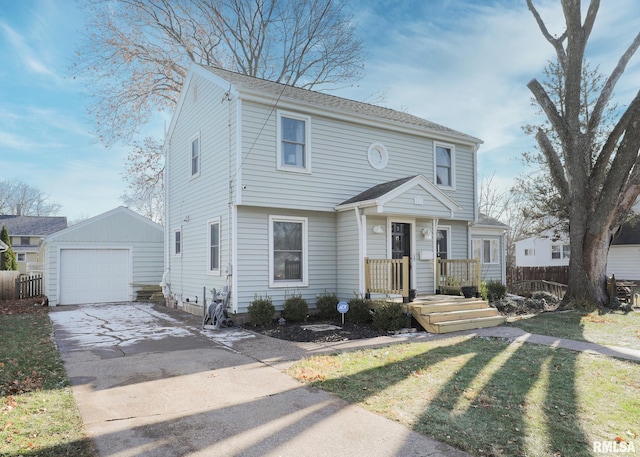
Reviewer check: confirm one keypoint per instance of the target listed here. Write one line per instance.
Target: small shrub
(496, 290)
(261, 311)
(359, 310)
(296, 308)
(484, 291)
(389, 317)
(327, 305)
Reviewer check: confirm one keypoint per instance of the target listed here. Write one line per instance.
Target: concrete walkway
(149, 382)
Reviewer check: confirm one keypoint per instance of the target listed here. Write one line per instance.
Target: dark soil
(293, 331)
(24, 305)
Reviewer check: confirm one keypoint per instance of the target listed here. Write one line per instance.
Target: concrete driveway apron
(149, 382)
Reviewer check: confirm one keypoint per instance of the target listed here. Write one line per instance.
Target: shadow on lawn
(504, 399)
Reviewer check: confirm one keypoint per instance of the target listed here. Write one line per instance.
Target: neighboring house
(488, 243)
(543, 251)
(623, 259)
(104, 259)
(624, 253)
(26, 232)
(275, 190)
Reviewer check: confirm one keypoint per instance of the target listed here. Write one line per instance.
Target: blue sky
(464, 64)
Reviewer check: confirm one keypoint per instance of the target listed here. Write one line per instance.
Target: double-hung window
(287, 251)
(444, 164)
(213, 243)
(294, 144)
(560, 251)
(488, 251)
(195, 155)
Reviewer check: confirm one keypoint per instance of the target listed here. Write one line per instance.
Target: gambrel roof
(32, 225)
(282, 92)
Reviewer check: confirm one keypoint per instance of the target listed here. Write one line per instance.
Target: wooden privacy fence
(15, 285)
(559, 274)
(387, 276)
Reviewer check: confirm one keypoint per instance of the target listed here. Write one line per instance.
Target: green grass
(38, 414)
(613, 328)
(490, 397)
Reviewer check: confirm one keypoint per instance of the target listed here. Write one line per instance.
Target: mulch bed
(301, 333)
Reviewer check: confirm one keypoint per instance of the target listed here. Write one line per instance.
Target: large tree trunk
(590, 239)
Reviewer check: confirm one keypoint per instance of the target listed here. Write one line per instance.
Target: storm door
(401, 244)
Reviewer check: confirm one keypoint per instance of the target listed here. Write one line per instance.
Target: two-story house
(274, 190)
(26, 232)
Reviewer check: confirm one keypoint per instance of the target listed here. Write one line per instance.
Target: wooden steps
(449, 314)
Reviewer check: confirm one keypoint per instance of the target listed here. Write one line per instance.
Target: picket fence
(14, 285)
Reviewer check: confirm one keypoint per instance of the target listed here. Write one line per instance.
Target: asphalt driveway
(149, 382)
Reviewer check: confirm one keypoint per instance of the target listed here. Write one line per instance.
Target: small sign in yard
(343, 307)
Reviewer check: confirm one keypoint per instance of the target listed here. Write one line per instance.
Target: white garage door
(94, 276)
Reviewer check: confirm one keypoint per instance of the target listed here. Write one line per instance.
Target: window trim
(452, 150)
(307, 144)
(305, 252)
(562, 252)
(210, 223)
(444, 228)
(492, 241)
(178, 243)
(23, 255)
(193, 139)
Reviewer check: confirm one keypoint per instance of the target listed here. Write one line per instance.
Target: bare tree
(597, 184)
(145, 183)
(137, 52)
(17, 197)
(545, 212)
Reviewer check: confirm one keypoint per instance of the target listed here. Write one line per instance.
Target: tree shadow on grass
(502, 399)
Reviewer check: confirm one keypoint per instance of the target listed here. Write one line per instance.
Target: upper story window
(25, 241)
(177, 242)
(195, 155)
(288, 251)
(560, 251)
(214, 246)
(294, 143)
(445, 159)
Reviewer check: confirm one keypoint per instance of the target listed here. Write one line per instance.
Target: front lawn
(614, 328)
(38, 412)
(490, 397)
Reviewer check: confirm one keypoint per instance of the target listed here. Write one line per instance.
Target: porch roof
(431, 199)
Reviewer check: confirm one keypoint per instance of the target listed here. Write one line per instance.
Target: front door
(401, 243)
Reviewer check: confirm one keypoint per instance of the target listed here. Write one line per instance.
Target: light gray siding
(194, 201)
(348, 255)
(253, 256)
(338, 149)
(116, 229)
(623, 261)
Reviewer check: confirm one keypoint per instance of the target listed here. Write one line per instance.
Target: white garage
(104, 259)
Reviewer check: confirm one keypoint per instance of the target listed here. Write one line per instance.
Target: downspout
(166, 288)
(434, 247)
(361, 249)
